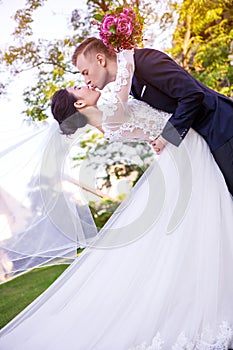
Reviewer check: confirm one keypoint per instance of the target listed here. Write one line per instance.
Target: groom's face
(92, 66)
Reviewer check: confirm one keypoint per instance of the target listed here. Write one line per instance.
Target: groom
(162, 83)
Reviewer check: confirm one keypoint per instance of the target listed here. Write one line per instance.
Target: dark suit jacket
(161, 82)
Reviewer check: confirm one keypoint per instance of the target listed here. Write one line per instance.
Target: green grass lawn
(16, 294)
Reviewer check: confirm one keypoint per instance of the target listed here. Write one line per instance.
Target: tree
(203, 42)
(108, 162)
(122, 160)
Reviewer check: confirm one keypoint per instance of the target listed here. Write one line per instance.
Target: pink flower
(124, 25)
(107, 22)
(129, 12)
(121, 28)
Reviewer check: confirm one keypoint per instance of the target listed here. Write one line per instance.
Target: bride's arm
(115, 111)
(118, 123)
(125, 63)
(119, 120)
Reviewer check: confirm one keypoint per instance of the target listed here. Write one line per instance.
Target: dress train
(158, 278)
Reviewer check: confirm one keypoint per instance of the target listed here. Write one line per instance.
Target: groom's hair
(64, 111)
(92, 45)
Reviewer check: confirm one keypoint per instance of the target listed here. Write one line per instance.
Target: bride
(158, 276)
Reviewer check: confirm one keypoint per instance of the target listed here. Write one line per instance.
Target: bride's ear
(79, 104)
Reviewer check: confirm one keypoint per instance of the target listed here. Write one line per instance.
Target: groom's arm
(161, 72)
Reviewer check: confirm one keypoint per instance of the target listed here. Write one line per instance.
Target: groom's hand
(159, 144)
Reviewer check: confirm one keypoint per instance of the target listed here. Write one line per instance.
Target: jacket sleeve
(161, 72)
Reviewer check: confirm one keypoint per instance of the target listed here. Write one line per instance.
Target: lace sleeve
(125, 120)
(116, 112)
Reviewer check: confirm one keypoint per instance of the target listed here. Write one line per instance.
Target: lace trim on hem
(223, 341)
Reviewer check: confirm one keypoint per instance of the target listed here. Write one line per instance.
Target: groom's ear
(80, 104)
(101, 59)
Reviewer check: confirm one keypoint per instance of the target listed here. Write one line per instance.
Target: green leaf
(112, 29)
(98, 17)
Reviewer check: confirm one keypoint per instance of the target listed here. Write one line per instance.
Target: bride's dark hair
(64, 111)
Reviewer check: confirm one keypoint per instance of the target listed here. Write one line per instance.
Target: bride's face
(85, 94)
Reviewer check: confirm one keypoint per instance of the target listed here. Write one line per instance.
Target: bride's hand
(159, 144)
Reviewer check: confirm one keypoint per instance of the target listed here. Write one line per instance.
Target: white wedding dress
(159, 276)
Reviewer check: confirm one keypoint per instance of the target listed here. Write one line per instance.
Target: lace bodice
(144, 124)
(125, 119)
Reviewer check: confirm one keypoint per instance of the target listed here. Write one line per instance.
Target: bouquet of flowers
(121, 28)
